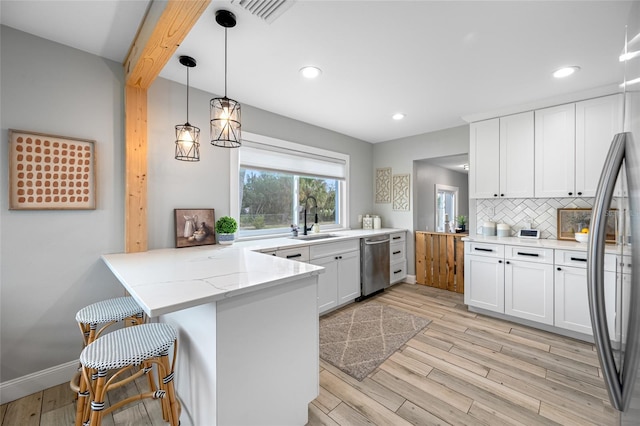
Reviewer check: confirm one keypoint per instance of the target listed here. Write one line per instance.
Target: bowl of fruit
(583, 235)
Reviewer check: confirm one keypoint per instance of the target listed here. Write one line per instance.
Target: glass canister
(377, 222)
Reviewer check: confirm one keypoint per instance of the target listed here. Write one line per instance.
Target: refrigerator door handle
(595, 268)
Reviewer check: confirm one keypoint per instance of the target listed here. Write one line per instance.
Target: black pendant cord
(225, 62)
(187, 95)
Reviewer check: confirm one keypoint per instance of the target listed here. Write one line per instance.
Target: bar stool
(129, 348)
(106, 312)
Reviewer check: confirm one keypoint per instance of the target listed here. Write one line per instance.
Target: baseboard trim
(35, 382)
(410, 279)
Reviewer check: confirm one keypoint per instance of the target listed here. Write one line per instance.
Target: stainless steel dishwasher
(374, 264)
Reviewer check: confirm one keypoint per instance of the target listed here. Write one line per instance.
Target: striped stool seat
(125, 348)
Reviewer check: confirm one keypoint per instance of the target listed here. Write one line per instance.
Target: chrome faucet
(304, 228)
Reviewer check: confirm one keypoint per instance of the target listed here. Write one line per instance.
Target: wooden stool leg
(167, 385)
(82, 401)
(97, 402)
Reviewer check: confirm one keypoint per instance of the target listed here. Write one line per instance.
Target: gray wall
(427, 176)
(50, 260)
(400, 154)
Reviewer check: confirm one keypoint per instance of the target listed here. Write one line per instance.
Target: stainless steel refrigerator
(619, 187)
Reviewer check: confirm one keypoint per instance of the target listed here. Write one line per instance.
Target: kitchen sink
(314, 237)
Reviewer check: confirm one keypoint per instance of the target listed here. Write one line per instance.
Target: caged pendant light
(187, 136)
(225, 112)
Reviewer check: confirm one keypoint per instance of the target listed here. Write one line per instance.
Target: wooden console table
(440, 260)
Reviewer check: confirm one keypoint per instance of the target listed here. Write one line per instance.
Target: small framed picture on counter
(194, 227)
(572, 221)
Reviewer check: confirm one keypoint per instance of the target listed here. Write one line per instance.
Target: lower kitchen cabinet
(485, 274)
(340, 283)
(528, 290)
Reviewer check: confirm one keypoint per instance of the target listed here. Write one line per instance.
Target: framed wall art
(383, 185)
(401, 185)
(571, 221)
(51, 172)
(194, 227)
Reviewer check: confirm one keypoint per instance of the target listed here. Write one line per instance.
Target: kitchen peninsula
(248, 329)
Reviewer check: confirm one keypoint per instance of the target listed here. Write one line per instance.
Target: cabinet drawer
(398, 271)
(330, 249)
(529, 254)
(571, 258)
(300, 254)
(397, 237)
(396, 252)
(483, 249)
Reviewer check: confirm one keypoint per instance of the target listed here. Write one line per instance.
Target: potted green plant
(226, 228)
(462, 222)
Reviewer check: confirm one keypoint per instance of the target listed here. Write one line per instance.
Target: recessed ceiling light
(310, 72)
(565, 72)
(398, 116)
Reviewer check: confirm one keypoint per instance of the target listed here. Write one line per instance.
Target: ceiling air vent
(267, 10)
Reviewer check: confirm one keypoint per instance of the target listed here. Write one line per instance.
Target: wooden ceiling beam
(166, 24)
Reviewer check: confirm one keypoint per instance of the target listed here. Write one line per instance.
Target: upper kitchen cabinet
(484, 159)
(555, 151)
(571, 144)
(502, 157)
(597, 121)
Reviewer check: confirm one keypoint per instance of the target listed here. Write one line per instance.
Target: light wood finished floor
(463, 369)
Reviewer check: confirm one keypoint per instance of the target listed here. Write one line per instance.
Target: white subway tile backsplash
(518, 212)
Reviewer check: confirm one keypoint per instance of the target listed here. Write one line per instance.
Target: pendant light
(225, 112)
(187, 136)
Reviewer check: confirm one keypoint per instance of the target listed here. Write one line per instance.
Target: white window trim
(234, 179)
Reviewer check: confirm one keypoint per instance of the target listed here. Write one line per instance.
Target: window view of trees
(272, 200)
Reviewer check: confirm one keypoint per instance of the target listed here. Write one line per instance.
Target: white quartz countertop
(168, 280)
(289, 242)
(546, 243)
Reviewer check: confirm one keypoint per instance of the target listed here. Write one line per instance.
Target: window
(446, 207)
(277, 179)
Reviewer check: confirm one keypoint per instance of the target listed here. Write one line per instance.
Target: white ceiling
(435, 61)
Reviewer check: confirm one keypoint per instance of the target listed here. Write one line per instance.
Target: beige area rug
(359, 338)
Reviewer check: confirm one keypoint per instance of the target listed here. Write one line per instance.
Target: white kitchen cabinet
(300, 254)
(516, 155)
(597, 121)
(501, 156)
(340, 283)
(484, 159)
(572, 295)
(484, 276)
(555, 151)
(397, 257)
(528, 283)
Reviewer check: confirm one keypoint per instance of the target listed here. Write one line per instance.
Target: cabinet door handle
(571, 193)
(579, 193)
(495, 195)
(559, 268)
(578, 259)
(482, 249)
(521, 253)
(397, 252)
(507, 262)
(291, 256)
(499, 261)
(397, 238)
(502, 195)
(398, 271)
